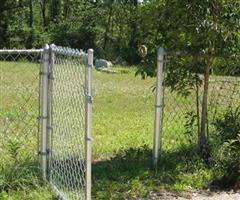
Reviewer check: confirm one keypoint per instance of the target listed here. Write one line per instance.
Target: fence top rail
(20, 51)
(66, 51)
(56, 49)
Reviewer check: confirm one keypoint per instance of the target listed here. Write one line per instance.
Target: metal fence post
(158, 107)
(44, 110)
(88, 91)
(49, 126)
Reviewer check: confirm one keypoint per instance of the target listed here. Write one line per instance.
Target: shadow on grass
(130, 173)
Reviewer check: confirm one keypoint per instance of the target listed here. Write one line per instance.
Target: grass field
(123, 128)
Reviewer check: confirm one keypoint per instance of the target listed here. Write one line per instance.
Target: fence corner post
(157, 139)
(44, 109)
(89, 98)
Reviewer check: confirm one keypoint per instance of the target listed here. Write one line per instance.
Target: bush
(17, 172)
(226, 152)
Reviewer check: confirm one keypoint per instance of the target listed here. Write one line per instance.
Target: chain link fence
(182, 113)
(181, 99)
(19, 111)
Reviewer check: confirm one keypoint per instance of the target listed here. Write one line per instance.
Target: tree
(202, 31)
(30, 13)
(6, 13)
(43, 11)
(107, 28)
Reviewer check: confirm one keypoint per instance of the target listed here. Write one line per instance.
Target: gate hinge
(163, 83)
(89, 138)
(158, 106)
(89, 98)
(161, 60)
(49, 128)
(50, 76)
(44, 153)
(42, 117)
(43, 73)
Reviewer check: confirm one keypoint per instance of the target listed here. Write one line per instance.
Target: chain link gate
(57, 105)
(66, 121)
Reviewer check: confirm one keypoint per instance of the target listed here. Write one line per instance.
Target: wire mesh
(67, 145)
(183, 93)
(19, 110)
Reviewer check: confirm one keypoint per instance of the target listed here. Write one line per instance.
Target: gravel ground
(200, 195)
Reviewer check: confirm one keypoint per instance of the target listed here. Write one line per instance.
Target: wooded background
(116, 28)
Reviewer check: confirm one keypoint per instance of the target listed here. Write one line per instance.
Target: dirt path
(204, 195)
(220, 196)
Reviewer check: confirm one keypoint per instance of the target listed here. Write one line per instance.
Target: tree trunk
(30, 14)
(133, 23)
(20, 2)
(43, 10)
(197, 108)
(133, 54)
(56, 10)
(202, 139)
(107, 26)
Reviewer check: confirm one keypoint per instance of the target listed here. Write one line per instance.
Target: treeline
(116, 28)
(110, 27)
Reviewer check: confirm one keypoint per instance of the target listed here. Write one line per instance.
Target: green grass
(123, 129)
(123, 113)
(19, 173)
(38, 193)
(122, 146)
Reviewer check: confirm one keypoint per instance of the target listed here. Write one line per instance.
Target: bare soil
(198, 195)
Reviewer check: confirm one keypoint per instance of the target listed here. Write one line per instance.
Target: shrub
(226, 152)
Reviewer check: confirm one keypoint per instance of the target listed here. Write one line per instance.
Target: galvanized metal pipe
(89, 99)
(20, 51)
(44, 112)
(157, 139)
(65, 51)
